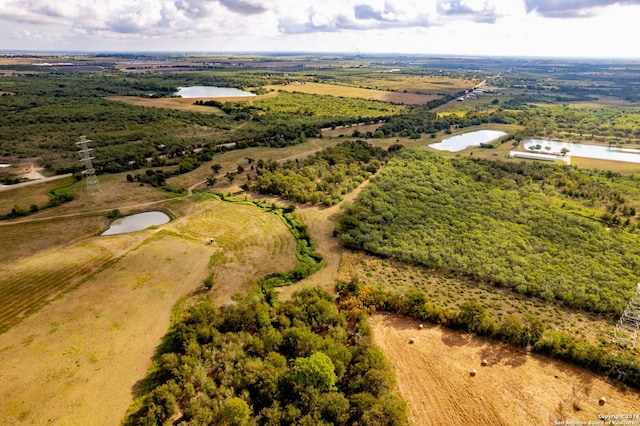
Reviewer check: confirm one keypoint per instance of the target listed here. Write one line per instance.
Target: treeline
(523, 332)
(255, 363)
(420, 121)
(501, 223)
(323, 177)
(57, 196)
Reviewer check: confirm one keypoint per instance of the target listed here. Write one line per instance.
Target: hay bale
(420, 327)
(602, 400)
(473, 373)
(412, 340)
(484, 363)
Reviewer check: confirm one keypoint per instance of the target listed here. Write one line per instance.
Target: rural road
(33, 182)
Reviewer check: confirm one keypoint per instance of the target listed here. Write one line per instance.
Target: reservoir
(465, 140)
(211, 92)
(136, 222)
(583, 150)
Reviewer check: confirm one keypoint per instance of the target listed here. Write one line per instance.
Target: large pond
(583, 150)
(136, 222)
(211, 92)
(465, 140)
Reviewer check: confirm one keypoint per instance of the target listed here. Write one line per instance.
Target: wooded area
(251, 362)
(539, 229)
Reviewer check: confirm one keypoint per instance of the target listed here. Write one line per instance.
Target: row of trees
(520, 331)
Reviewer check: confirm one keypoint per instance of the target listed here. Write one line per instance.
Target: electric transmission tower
(90, 173)
(626, 331)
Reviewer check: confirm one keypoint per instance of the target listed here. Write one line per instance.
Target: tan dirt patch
(181, 104)
(515, 388)
(76, 361)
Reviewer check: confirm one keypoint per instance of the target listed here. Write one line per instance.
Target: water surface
(583, 150)
(465, 140)
(136, 222)
(211, 92)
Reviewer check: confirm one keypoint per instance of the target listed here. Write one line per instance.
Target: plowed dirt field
(515, 388)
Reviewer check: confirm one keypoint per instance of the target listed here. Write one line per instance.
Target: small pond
(211, 92)
(465, 140)
(584, 150)
(136, 222)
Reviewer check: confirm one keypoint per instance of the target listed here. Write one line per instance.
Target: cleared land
(180, 104)
(356, 92)
(87, 349)
(514, 388)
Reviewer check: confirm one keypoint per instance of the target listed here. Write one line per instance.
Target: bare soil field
(180, 104)
(78, 359)
(515, 388)
(356, 92)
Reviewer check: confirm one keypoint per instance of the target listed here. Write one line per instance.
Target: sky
(548, 28)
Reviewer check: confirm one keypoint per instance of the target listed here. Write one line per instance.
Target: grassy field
(179, 104)
(82, 364)
(356, 92)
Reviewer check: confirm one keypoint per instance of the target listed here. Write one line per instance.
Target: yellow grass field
(77, 360)
(355, 92)
(180, 104)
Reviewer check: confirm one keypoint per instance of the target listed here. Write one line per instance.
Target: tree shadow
(500, 353)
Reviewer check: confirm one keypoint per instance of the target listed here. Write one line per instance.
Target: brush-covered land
(553, 232)
(459, 235)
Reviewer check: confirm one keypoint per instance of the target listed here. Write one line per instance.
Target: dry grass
(180, 104)
(515, 387)
(621, 167)
(451, 291)
(356, 92)
(86, 349)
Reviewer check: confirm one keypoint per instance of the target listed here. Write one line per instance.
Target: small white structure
(420, 327)
(484, 362)
(602, 400)
(536, 156)
(473, 373)
(412, 340)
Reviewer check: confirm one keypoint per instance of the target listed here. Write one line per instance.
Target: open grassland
(115, 193)
(621, 167)
(356, 92)
(32, 194)
(87, 349)
(433, 375)
(398, 82)
(179, 104)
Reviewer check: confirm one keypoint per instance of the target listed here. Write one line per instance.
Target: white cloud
(427, 26)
